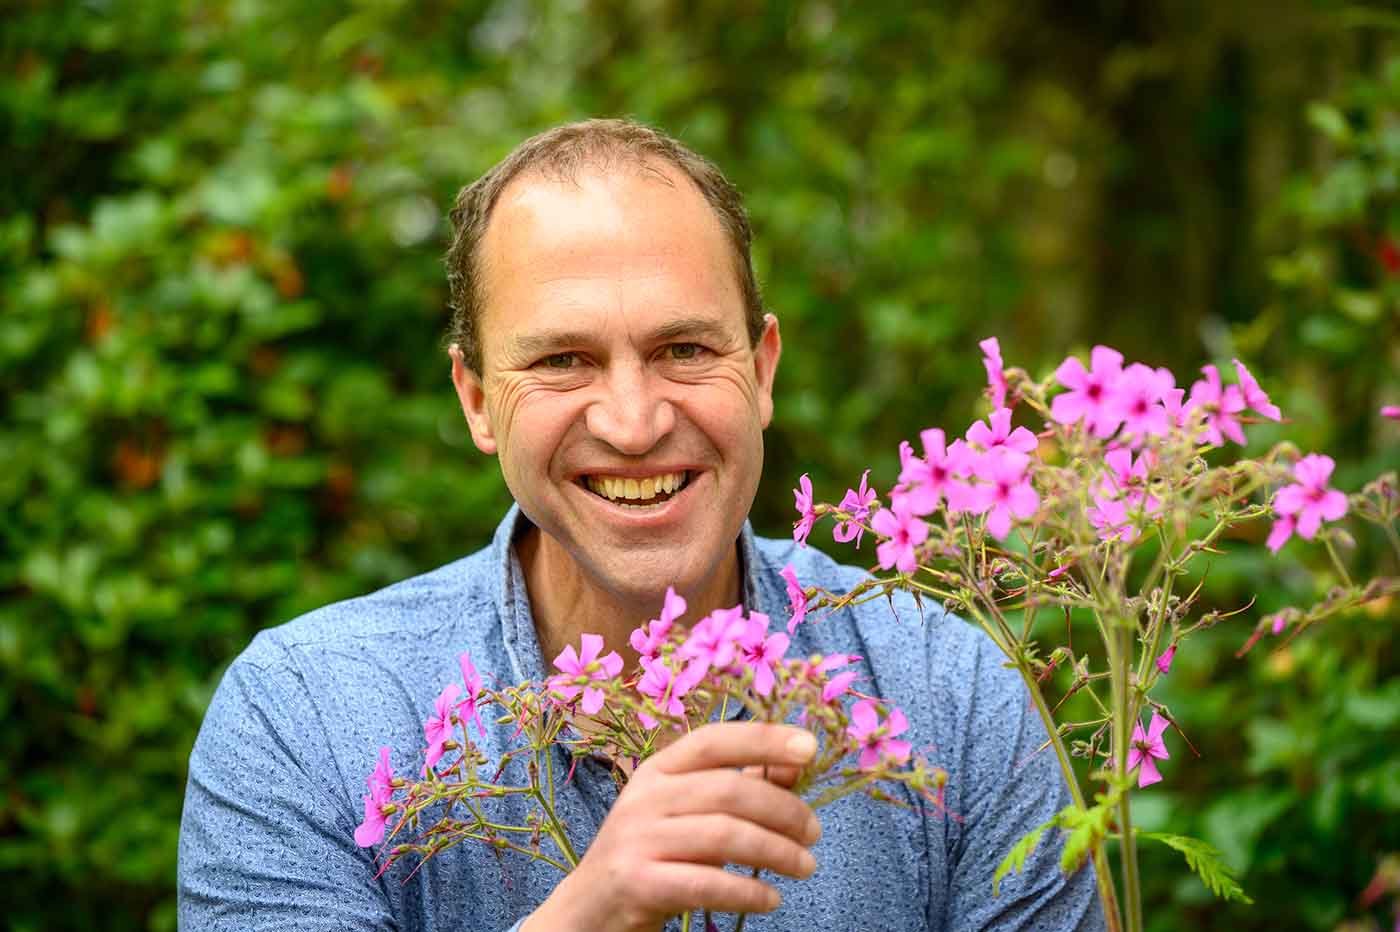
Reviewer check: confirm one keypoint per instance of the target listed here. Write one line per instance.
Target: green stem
(1124, 718)
(1103, 872)
(1337, 562)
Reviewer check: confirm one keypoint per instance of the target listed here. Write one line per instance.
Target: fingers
(722, 839)
(781, 774)
(731, 793)
(737, 744)
(679, 887)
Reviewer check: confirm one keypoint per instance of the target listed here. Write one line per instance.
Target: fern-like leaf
(1218, 877)
(1015, 859)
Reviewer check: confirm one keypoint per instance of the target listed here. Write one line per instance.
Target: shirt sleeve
(1009, 787)
(266, 835)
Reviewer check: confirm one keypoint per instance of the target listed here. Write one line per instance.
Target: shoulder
(397, 623)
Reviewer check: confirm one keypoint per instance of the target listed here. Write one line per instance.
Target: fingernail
(814, 830)
(802, 746)
(809, 864)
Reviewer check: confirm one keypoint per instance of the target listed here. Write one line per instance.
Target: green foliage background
(223, 399)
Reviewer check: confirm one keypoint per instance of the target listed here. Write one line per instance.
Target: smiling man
(610, 349)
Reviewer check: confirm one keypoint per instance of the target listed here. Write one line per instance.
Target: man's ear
(765, 360)
(473, 398)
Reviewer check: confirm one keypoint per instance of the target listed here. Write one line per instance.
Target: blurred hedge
(223, 401)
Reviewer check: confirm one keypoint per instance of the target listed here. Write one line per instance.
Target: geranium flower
(467, 707)
(712, 642)
(1164, 662)
(759, 651)
(876, 740)
(996, 381)
(1109, 516)
(797, 598)
(581, 668)
(1391, 411)
(1254, 395)
(925, 481)
(1000, 434)
(1309, 502)
(1091, 395)
(1006, 491)
(1138, 399)
(438, 729)
(666, 686)
(856, 503)
(905, 533)
(1147, 748)
(1220, 404)
(371, 831)
(649, 639)
(806, 515)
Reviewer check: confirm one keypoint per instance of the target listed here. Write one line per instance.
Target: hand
(686, 813)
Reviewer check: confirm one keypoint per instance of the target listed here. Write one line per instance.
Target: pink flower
(905, 533)
(759, 651)
(1254, 395)
(371, 831)
(996, 381)
(1128, 478)
(1220, 406)
(1282, 529)
(1109, 516)
(666, 686)
(1279, 622)
(923, 482)
(581, 668)
(1309, 502)
(806, 515)
(467, 707)
(876, 740)
(1007, 491)
(648, 640)
(797, 598)
(1164, 662)
(438, 729)
(856, 503)
(1391, 411)
(1091, 393)
(1145, 747)
(1000, 434)
(712, 642)
(1139, 397)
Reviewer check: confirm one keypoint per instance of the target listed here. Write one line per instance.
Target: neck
(567, 604)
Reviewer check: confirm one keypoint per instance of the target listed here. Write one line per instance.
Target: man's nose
(632, 414)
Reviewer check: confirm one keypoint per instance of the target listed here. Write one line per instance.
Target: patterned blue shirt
(278, 772)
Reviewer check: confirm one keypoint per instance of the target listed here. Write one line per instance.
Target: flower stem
(1103, 872)
(1124, 717)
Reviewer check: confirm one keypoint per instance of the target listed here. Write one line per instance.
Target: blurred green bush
(223, 399)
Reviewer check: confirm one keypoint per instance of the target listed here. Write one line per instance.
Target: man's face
(616, 365)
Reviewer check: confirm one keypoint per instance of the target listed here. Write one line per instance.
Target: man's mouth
(637, 493)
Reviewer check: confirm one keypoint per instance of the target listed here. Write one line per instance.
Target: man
(610, 349)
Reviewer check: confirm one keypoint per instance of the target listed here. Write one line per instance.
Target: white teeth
(618, 488)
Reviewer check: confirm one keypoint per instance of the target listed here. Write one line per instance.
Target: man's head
(561, 154)
(618, 359)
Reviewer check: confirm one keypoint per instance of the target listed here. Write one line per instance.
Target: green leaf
(1330, 121)
(1218, 877)
(1015, 859)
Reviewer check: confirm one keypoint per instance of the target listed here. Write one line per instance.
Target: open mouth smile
(636, 494)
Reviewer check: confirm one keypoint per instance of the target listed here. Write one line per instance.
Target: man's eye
(684, 350)
(558, 361)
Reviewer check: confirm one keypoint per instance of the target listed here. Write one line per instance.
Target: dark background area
(223, 398)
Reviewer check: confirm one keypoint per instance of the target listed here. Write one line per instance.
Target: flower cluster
(1047, 502)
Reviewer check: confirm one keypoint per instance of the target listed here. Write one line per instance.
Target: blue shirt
(278, 772)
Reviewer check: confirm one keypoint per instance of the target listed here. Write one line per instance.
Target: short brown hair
(562, 153)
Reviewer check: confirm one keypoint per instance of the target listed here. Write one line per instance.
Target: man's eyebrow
(535, 345)
(693, 328)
